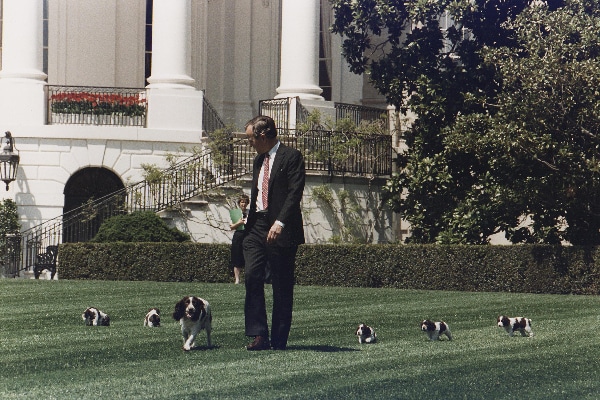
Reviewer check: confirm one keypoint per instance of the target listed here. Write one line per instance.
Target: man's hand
(274, 233)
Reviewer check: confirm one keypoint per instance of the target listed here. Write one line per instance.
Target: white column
(173, 101)
(22, 79)
(171, 45)
(300, 50)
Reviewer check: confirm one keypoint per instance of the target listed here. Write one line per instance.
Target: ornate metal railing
(287, 113)
(84, 105)
(183, 181)
(211, 121)
(358, 114)
(343, 153)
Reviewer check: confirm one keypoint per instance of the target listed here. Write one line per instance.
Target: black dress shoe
(278, 344)
(259, 343)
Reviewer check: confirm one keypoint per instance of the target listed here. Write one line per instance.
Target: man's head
(261, 133)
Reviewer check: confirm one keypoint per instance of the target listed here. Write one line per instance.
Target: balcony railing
(358, 114)
(84, 105)
(343, 153)
(289, 112)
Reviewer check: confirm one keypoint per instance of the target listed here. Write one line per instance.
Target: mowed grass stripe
(47, 352)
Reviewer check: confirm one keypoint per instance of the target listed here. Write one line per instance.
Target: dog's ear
(157, 311)
(201, 311)
(198, 303)
(179, 310)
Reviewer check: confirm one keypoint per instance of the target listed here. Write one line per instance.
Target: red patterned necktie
(265, 183)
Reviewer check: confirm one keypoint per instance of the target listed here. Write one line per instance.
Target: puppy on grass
(435, 329)
(515, 324)
(366, 334)
(152, 318)
(94, 317)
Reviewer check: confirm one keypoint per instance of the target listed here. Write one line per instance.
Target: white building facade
(177, 54)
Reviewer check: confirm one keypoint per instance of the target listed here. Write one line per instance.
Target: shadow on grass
(322, 348)
(205, 348)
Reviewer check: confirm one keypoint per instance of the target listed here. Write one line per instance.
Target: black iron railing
(343, 153)
(175, 185)
(359, 114)
(84, 105)
(211, 121)
(282, 111)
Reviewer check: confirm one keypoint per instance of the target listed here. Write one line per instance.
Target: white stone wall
(51, 154)
(361, 220)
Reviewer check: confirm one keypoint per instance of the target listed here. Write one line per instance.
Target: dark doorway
(85, 185)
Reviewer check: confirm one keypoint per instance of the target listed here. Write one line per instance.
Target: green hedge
(168, 262)
(532, 269)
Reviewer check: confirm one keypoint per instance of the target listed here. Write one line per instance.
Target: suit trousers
(281, 260)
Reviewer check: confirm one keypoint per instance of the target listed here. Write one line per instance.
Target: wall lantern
(9, 160)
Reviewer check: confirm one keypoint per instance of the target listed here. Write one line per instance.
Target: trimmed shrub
(164, 262)
(140, 226)
(523, 268)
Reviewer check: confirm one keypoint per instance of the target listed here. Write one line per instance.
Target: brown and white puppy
(515, 324)
(152, 318)
(193, 313)
(94, 317)
(366, 334)
(435, 329)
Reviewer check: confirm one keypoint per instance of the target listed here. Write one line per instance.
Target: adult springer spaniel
(193, 313)
(152, 318)
(94, 317)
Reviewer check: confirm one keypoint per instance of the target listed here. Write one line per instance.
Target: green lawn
(46, 351)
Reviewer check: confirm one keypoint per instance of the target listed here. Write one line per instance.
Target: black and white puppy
(94, 317)
(435, 329)
(193, 313)
(366, 334)
(515, 324)
(152, 318)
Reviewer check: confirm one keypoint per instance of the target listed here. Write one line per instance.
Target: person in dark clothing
(237, 252)
(273, 232)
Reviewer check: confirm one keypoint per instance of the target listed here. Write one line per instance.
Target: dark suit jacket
(286, 184)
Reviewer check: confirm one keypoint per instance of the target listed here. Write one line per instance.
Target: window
(148, 48)
(446, 22)
(1, 29)
(325, 50)
(45, 39)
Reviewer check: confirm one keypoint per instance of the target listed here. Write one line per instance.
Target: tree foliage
(9, 222)
(506, 104)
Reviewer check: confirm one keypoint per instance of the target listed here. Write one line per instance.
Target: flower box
(97, 108)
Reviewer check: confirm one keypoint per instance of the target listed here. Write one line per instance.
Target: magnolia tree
(507, 104)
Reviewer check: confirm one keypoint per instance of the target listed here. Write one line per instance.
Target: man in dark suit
(273, 232)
